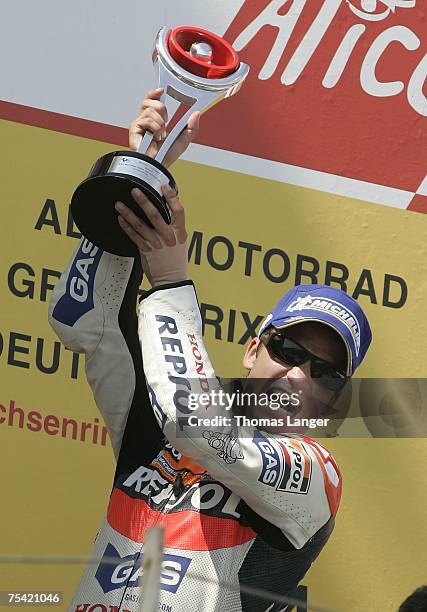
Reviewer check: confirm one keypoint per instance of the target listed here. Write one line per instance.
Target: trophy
(198, 69)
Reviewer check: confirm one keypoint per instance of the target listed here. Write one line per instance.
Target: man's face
(274, 376)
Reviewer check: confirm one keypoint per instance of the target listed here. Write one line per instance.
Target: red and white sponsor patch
(296, 476)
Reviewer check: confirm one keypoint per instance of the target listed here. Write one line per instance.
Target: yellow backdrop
(55, 489)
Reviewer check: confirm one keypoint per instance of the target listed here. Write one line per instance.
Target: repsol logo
(174, 355)
(127, 572)
(298, 471)
(206, 497)
(77, 299)
(298, 468)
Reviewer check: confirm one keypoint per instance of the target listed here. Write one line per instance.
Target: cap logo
(300, 303)
(333, 308)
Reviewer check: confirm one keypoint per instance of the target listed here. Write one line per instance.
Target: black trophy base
(110, 180)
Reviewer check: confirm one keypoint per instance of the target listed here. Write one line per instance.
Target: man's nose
(299, 375)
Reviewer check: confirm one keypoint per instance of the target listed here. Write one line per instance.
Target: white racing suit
(239, 506)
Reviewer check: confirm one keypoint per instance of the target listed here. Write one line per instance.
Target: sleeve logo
(78, 297)
(286, 465)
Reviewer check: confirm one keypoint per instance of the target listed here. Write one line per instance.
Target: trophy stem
(176, 131)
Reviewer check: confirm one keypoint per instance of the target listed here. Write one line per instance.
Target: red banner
(335, 86)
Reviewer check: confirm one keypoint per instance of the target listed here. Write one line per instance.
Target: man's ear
(251, 353)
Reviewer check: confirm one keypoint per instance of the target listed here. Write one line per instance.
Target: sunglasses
(289, 352)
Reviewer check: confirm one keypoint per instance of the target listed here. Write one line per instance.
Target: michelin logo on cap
(328, 305)
(333, 308)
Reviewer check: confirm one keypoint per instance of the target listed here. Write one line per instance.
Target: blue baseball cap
(326, 305)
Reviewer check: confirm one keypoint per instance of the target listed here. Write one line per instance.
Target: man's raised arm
(93, 309)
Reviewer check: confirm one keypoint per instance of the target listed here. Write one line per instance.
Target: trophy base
(110, 180)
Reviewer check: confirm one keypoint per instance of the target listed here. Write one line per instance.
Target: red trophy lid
(201, 52)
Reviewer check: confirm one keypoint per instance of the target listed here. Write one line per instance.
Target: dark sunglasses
(291, 353)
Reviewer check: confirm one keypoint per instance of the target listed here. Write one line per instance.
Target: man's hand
(163, 249)
(153, 117)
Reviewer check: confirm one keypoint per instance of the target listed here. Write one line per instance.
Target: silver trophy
(198, 69)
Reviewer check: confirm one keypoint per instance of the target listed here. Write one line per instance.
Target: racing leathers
(239, 506)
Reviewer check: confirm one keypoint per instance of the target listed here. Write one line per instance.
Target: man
(239, 504)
